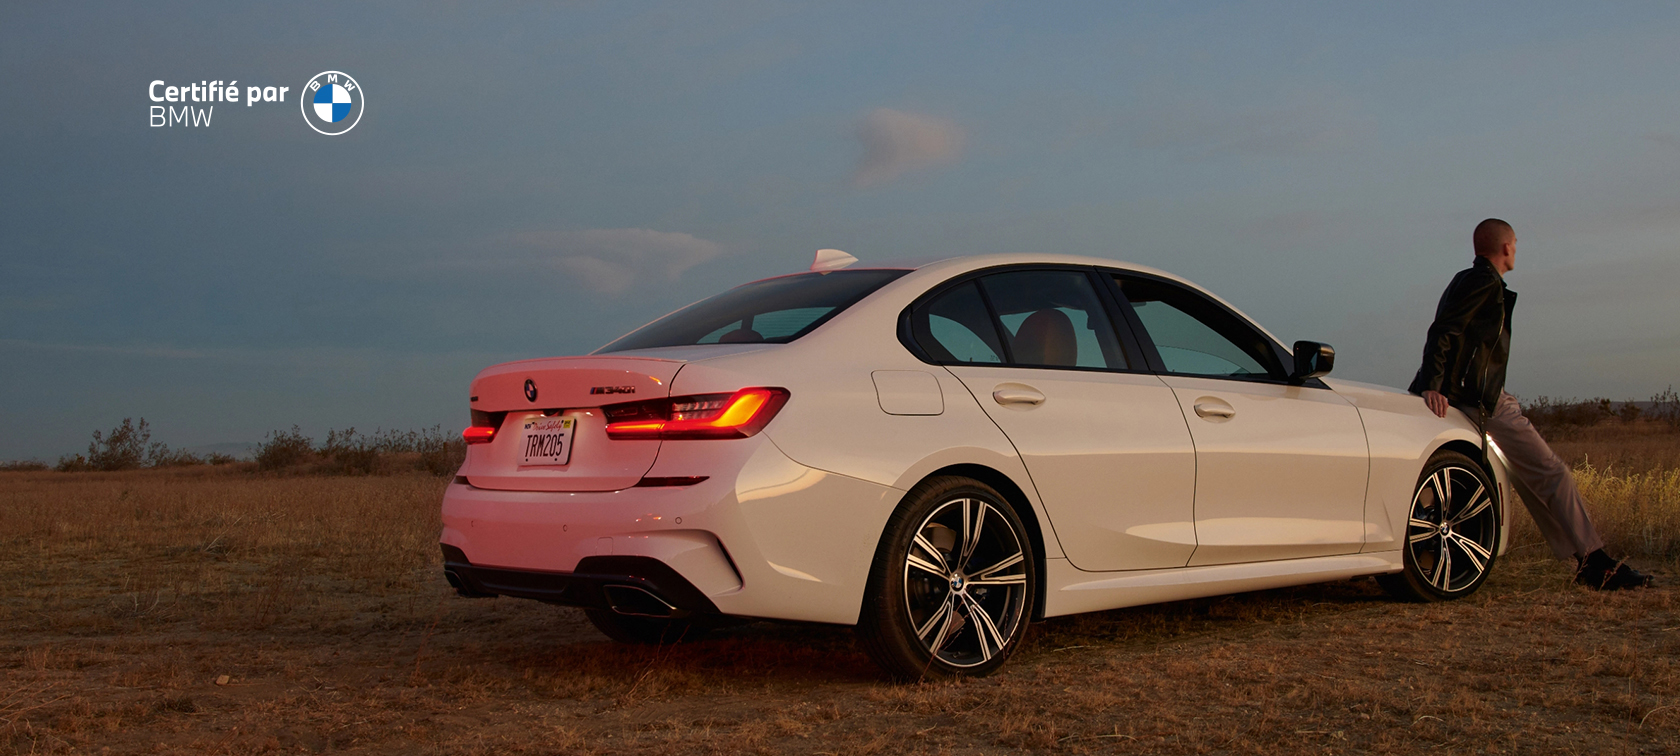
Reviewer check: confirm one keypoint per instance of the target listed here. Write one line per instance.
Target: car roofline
(952, 265)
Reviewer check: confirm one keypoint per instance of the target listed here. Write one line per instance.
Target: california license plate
(548, 441)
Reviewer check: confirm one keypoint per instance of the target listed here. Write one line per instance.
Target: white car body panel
(1121, 492)
(788, 522)
(1074, 592)
(1283, 477)
(1402, 434)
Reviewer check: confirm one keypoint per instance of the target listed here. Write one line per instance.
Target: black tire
(953, 584)
(645, 631)
(1452, 532)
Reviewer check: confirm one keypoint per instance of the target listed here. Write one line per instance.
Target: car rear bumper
(762, 537)
(640, 586)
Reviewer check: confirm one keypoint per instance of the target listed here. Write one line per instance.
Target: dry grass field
(219, 610)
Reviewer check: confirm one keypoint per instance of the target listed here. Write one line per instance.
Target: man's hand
(1437, 403)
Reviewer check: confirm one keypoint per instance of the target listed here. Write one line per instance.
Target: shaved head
(1491, 235)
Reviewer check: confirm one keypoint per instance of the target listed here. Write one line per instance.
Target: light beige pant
(1544, 482)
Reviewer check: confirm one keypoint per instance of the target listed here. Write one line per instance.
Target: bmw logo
(530, 390)
(332, 103)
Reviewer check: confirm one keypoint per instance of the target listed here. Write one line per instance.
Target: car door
(1281, 467)
(1102, 439)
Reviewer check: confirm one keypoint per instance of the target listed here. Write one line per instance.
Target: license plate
(548, 441)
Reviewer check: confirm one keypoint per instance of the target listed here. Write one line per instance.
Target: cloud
(896, 142)
(611, 260)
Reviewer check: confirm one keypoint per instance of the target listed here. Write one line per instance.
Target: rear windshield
(772, 311)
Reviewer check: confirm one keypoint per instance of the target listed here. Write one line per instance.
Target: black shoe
(1598, 571)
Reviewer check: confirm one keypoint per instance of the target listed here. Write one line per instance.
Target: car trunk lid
(550, 431)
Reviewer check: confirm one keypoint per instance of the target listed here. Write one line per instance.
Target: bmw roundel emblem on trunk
(530, 389)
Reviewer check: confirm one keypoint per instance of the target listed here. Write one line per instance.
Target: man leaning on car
(1464, 366)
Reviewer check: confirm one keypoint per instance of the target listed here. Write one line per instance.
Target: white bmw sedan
(941, 453)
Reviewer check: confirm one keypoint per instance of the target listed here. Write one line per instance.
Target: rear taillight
(736, 415)
(483, 428)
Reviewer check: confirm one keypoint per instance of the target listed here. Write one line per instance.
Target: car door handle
(1215, 409)
(1008, 396)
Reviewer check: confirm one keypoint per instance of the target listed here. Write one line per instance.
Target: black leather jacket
(1470, 340)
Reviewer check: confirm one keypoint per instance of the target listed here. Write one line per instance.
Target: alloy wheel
(965, 582)
(1453, 530)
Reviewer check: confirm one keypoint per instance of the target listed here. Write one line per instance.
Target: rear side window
(772, 311)
(956, 327)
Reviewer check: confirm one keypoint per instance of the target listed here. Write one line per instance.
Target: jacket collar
(1483, 262)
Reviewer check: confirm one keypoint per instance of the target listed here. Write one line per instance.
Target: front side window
(772, 311)
(1195, 336)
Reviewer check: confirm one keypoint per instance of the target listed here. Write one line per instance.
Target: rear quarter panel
(834, 421)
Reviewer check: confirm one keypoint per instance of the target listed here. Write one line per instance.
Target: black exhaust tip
(637, 602)
(467, 588)
(462, 587)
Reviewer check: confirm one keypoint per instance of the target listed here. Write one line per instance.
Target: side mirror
(1312, 359)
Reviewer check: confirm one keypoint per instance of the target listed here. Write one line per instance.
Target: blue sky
(534, 180)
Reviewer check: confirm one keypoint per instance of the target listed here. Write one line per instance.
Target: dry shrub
(1558, 417)
(348, 452)
(123, 449)
(1630, 476)
(1636, 512)
(24, 465)
(1563, 418)
(1625, 447)
(1665, 408)
(344, 452)
(285, 449)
